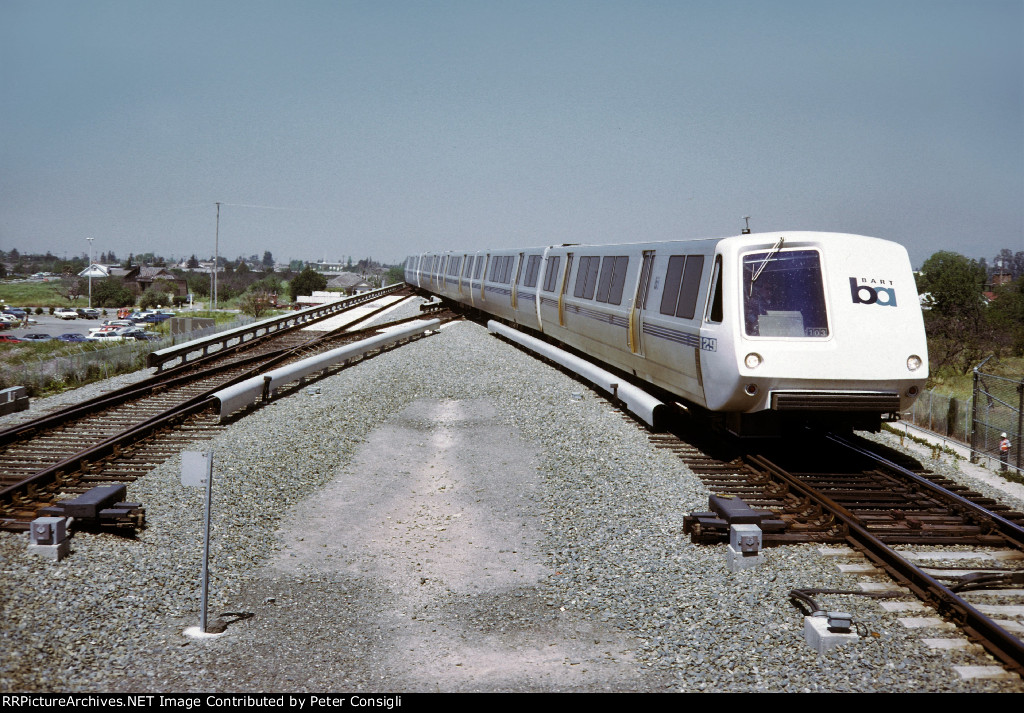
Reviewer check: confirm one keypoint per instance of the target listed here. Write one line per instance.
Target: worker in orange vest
(1004, 450)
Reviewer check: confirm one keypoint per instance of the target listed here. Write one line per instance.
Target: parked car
(8, 321)
(16, 311)
(156, 317)
(36, 337)
(114, 328)
(140, 335)
(10, 339)
(72, 337)
(105, 337)
(65, 313)
(88, 313)
(118, 323)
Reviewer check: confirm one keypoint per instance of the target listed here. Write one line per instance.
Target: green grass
(34, 294)
(949, 383)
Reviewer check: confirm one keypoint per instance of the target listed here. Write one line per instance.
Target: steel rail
(1013, 532)
(120, 396)
(263, 328)
(195, 404)
(169, 379)
(996, 640)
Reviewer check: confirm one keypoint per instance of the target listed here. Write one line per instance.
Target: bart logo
(867, 294)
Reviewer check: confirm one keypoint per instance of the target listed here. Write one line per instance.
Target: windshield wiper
(764, 263)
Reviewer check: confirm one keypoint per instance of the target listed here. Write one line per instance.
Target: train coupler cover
(102, 506)
(727, 510)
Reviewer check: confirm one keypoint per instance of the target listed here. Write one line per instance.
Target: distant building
(350, 283)
(318, 298)
(1001, 278)
(138, 279)
(330, 268)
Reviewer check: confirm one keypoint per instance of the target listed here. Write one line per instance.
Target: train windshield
(783, 294)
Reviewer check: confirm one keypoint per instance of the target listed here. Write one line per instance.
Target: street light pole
(90, 270)
(216, 256)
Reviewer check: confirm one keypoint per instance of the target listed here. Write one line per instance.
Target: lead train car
(766, 329)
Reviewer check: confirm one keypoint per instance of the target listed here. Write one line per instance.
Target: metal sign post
(196, 471)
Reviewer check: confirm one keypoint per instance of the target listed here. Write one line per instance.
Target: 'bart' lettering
(868, 295)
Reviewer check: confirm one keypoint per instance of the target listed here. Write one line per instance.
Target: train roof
(771, 236)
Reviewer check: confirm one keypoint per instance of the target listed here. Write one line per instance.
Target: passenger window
(687, 304)
(501, 269)
(532, 270)
(670, 296)
(613, 279)
(586, 277)
(551, 276)
(714, 313)
(682, 283)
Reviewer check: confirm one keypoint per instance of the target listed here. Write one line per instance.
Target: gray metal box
(745, 538)
(47, 531)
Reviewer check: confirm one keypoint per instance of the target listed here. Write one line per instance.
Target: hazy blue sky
(375, 129)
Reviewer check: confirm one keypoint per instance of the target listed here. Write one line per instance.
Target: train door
(483, 276)
(537, 296)
(565, 286)
(515, 284)
(635, 330)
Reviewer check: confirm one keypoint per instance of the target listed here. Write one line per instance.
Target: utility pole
(91, 263)
(216, 256)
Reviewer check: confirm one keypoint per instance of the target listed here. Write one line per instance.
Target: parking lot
(54, 326)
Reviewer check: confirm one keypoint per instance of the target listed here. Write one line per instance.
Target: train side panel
(797, 321)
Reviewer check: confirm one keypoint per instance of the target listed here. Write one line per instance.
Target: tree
(1003, 262)
(959, 332)
(1006, 314)
(268, 261)
(256, 303)
(111, 292)
(396, 273)
(72, 287)
(193, 262)
(952, 282)
(306, 283)
(152, 298)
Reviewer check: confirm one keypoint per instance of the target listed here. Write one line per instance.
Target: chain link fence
(945, 415)
(985, 421)
(998, 417)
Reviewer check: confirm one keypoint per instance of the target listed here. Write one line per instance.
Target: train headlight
(753, 360)
(913, 362)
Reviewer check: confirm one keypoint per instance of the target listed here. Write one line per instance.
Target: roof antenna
(746, 231)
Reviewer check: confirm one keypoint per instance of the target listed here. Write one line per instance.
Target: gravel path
(449, 516)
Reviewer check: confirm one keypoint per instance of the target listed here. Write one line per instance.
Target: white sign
(195, 467)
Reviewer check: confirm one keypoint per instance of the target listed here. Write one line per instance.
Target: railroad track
(119, 436)
(874, 500)
(903, 519)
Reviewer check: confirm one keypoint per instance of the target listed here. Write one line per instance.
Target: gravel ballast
(451, 515)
